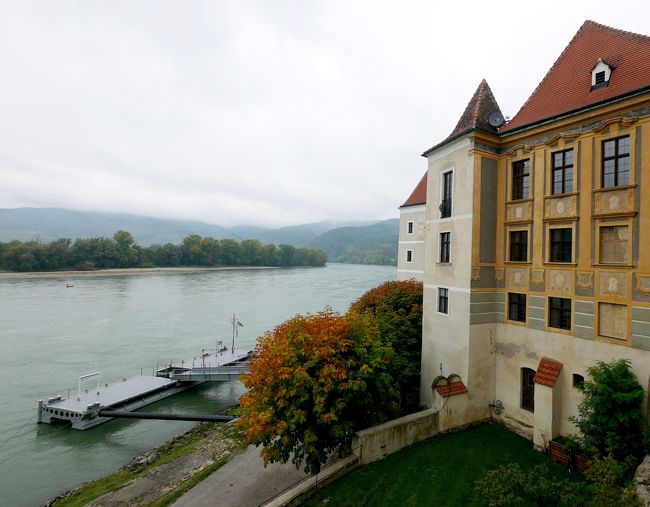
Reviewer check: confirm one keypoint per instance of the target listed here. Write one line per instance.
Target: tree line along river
(120, 325)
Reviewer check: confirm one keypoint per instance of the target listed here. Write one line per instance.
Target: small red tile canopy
(449, 386)
(548, 372)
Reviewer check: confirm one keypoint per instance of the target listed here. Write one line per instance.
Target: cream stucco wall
(521, 347)
(414, 241)
(445, 338)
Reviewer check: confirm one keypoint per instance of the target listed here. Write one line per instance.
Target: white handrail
(83, 377)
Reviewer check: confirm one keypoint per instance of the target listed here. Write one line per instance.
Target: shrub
(609, 418)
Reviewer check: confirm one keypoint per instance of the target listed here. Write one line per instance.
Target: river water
(50, 334)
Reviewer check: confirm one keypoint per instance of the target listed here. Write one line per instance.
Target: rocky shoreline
(161, 475)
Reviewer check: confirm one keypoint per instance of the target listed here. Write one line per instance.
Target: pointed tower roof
(419, 195)
(476, 115)
(567, 87)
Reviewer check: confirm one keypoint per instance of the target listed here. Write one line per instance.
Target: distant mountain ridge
(370, 244)
(49, 224)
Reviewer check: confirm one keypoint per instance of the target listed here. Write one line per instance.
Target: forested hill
(370, 244)
(351, 242)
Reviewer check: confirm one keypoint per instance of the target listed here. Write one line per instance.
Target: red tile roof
(476, 115)
(454, 389)
(547, 372)
(567, 85)
(419, 195)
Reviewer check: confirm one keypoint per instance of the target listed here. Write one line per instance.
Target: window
(612, 321)
(445, 205)
(520, 179)
(562, 172)
(443, 300)
(445, 246)
(528, 389)
(600, 77)
(559, 315)
(409, 255)
(409, 228)
(578, 380)
(616, 162)
(519, 246)
(561, 245)
(613, 244)
(517, 307)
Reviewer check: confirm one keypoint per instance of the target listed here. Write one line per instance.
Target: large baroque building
(533, 238)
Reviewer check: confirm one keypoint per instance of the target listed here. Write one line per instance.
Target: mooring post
(39, 416)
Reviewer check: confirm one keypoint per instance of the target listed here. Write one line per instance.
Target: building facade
(536, 260)
(411, 251)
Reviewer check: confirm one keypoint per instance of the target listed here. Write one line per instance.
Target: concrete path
(242, 482)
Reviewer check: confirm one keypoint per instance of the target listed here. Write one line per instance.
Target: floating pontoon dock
(82, 410)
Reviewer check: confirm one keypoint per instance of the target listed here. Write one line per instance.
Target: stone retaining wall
(375, 443)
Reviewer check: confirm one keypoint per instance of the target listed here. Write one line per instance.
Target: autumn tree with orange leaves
(315, 380)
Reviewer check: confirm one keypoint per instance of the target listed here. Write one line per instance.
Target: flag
(240, 324)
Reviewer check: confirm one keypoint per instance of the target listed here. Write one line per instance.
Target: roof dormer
(600, 75)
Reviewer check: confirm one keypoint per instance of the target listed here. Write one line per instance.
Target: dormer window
(600, 75)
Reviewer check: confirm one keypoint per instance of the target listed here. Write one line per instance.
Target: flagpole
(234, 324)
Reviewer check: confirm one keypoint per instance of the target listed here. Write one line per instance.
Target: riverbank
(160, 476)
(126, 271)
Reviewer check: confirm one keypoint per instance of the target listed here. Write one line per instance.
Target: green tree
(287, 253)
(230, 252)
(210, 252)
(191, 254)
(396, 309)
(99, 252)
(252, 252)
(271, 255)
(509, 486)
(313, 382)
(609, 417)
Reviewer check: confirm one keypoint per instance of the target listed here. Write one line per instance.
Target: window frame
(510, 245)
(563, 317)
(446, 193)
(628, 249)
(442, 296)
(563, 169)
(614, 339)
(519, 303)
(616, 158)
(520, 191)
(527, 386)
(441, 247)
(562, 245)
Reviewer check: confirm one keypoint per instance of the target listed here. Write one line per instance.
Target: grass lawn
(438, 472)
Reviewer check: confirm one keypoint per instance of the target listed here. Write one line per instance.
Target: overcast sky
(257, 112)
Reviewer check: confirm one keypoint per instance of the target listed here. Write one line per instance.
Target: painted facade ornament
(559, 281)
(614, 202)
(585, 279)
(612, 285)
(560, 207)
(518, 212)
(517, 278)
